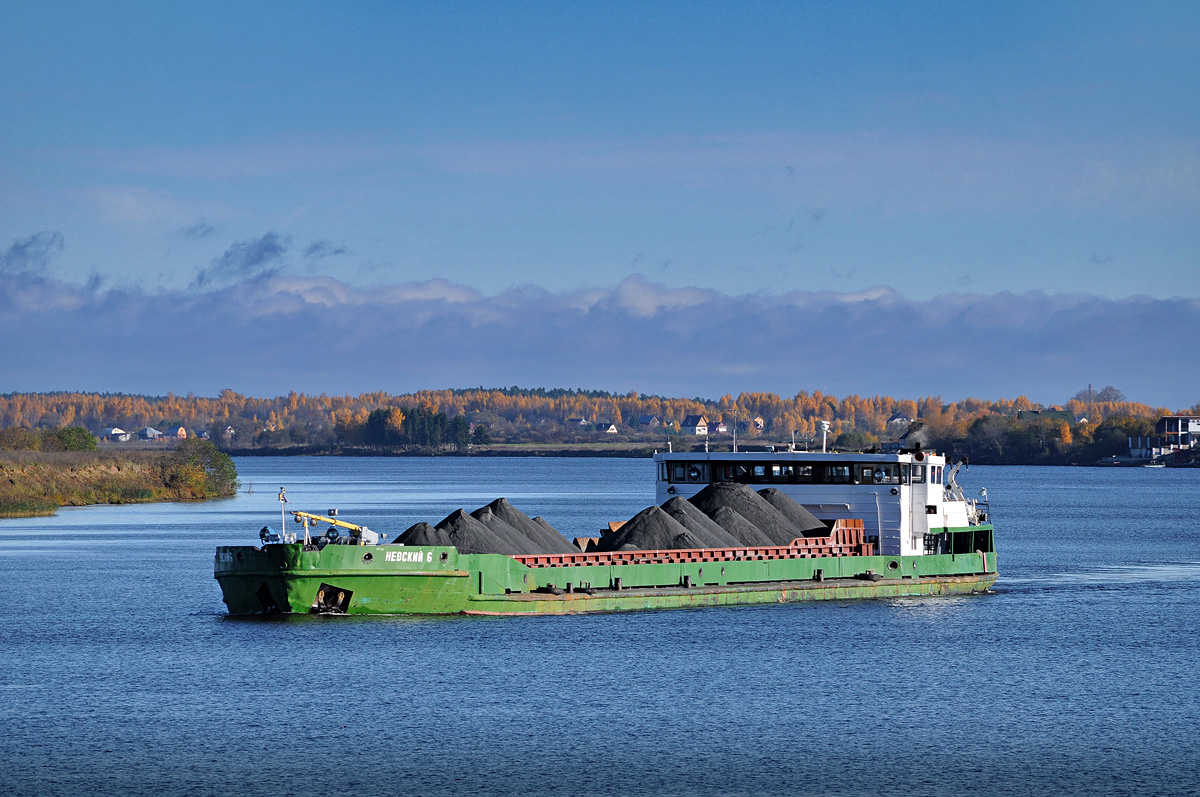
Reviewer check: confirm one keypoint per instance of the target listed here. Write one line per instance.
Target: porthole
(893, 565)
(368, 556)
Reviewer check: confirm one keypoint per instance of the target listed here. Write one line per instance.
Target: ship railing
(846, 538)
(978, 511)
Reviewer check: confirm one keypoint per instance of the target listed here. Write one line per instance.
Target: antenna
(282, 513)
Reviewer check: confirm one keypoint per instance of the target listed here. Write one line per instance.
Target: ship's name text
(409, 556)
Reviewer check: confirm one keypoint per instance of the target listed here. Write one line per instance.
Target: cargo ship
(803, 526)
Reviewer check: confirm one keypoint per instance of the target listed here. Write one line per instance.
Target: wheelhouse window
(763, 473)
(879, 473)
(686, 472)
(918, 474)
(833, 474)
(790, 473)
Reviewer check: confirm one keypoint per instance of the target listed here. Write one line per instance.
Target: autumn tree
(1105, 395)
(68, 438)
(459, 432)
(480, 435)
(16, 438)
(200, 469)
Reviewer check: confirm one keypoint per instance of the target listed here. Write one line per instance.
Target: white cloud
(271, 334)
(31, 255)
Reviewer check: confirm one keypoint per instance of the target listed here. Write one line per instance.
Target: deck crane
(359, 535)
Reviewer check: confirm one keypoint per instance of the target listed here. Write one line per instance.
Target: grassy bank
(37, 483)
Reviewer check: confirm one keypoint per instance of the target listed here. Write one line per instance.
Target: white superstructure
(907, 500)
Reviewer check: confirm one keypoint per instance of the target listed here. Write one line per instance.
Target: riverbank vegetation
(1085, 428)
(38, 482)
(1011, 440)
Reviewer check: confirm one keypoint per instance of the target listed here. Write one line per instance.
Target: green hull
(392, 579)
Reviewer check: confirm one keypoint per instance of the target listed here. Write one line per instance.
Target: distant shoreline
(601, 450)
(501, 450)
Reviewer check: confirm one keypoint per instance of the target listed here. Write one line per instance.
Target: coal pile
(508, 533)
(554, 534)
(740, 528)
(468, 535)
(751, 506)
(541, 533)
(794, 511)
(650, 529)
(498, 527)
(423, 534)
(699, 524)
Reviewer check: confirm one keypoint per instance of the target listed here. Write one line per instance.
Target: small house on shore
(1173, 434)
(695, 424)
(150, 433)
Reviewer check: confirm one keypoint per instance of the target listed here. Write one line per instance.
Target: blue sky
(753, 150)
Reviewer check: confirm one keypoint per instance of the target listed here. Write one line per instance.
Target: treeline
(449, 418)
(1008, 440)
(64, 438)
(411, 427)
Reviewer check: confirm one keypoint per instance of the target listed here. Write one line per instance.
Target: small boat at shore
(791, 526)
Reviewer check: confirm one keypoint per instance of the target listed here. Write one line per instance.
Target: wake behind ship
(731, 528)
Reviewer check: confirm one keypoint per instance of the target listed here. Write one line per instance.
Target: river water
(1078, 675)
